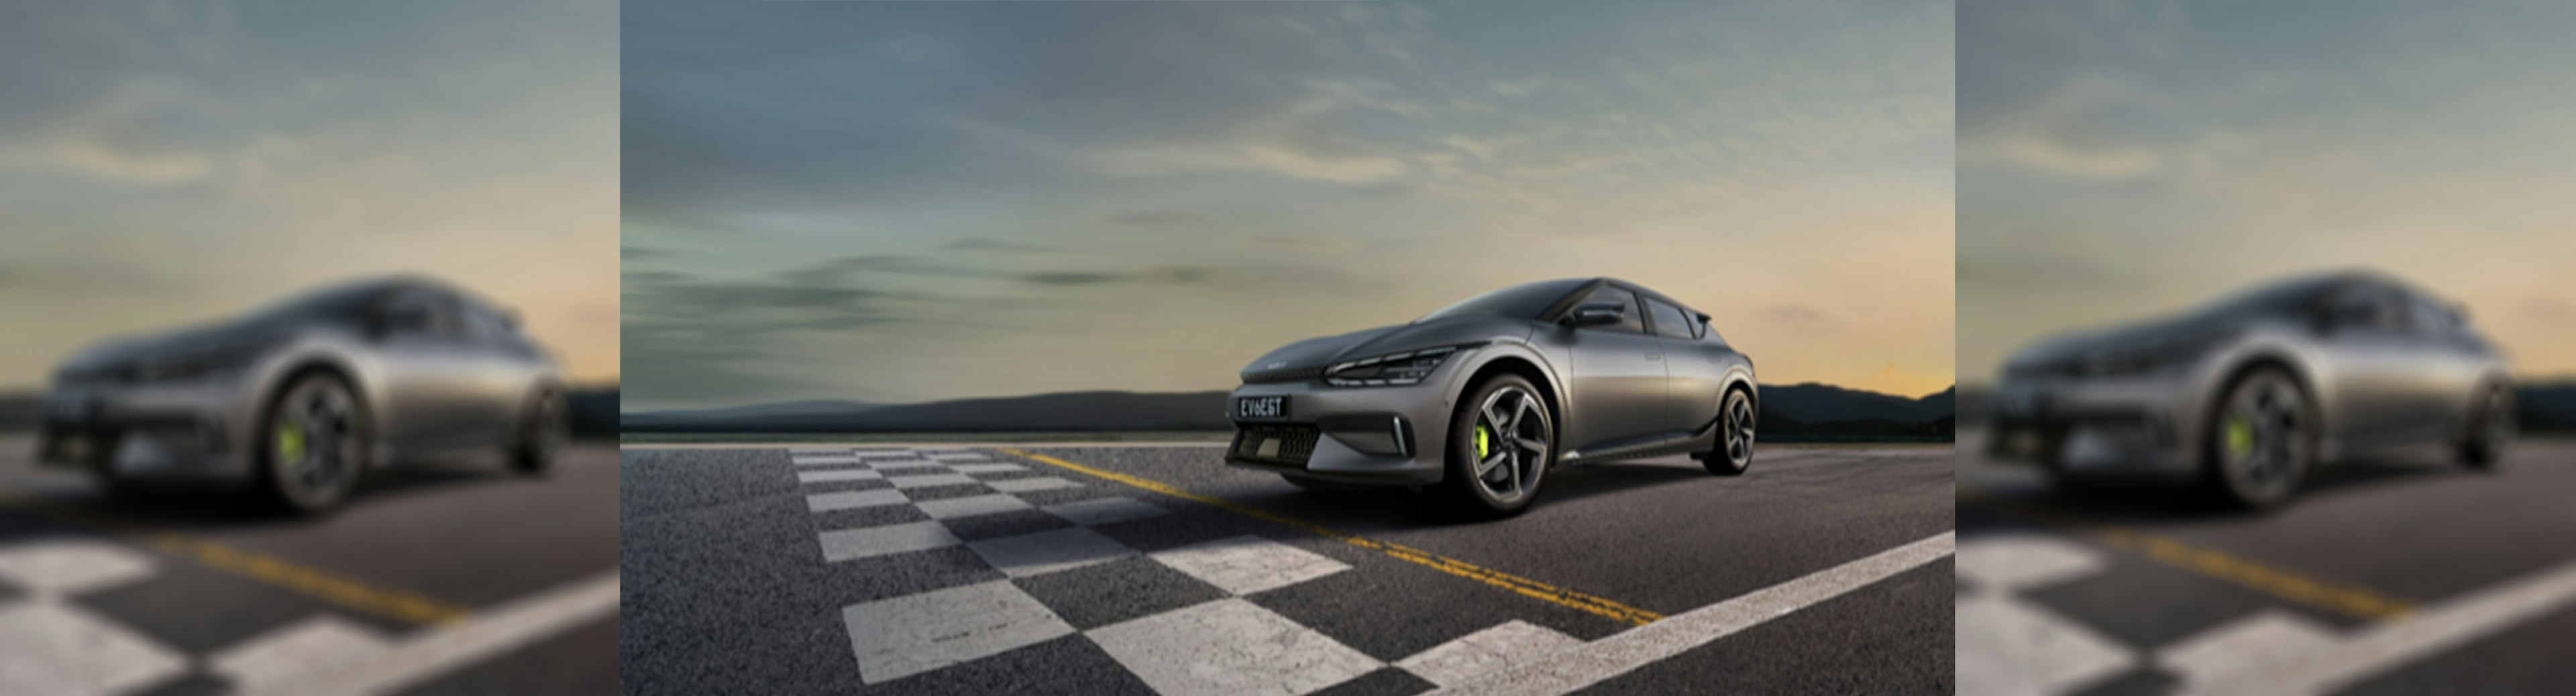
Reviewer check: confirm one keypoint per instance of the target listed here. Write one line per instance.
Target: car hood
(1320, 352)
(2141, 336)
(125, 351)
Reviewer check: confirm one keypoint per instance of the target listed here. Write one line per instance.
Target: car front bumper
(2111, 426)
(1387, 435)
(190, 431)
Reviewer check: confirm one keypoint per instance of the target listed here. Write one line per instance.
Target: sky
(171, 164)
(2122, 160)
(906, 202)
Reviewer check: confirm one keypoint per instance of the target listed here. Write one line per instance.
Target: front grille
(1285, 374)
(1296, 443)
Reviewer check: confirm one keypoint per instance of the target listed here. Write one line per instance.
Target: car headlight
(1408, 367)
(196, 364)
(2152, 360)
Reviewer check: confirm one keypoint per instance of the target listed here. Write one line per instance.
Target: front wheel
(1734, 452)
(2262, 441)
(2490, 428)
(1500, 445)
(542, 431)
(314, 442)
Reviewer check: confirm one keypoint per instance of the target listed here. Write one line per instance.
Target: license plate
(1261, 408)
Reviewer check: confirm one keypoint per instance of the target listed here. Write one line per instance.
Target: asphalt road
(455, 577)
(2397, 574)
(1154, 569)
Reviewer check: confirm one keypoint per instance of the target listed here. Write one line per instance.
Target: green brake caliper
(290, 442)
(2240, 436)
(1484, 442)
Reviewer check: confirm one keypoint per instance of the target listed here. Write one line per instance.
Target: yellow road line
(329, 587)
(2286, 584)
(1525, 586)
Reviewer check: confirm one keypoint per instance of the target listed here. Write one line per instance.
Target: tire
(2261, 441)
(541, 432)
(2490, 429)
(1521, 461)
(1736, 419)
(314, 443)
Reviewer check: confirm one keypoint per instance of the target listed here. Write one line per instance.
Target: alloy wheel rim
(1519, 433)
(1739, 430)
(314, 440)
(2265, 430)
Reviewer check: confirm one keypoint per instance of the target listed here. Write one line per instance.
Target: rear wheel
(2262, 441)
(1501, 442)
(2490, 429)
(1735, 420)
(314, 442)
(542, 431)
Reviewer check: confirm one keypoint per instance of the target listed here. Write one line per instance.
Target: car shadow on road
(2185, 501)
(1373, 510)
(202, 508)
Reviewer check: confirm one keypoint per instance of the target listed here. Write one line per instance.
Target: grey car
(1482, 397)
(296, 401)
(2248, 395)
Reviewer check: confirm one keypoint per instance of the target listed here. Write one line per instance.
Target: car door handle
(1654, 356)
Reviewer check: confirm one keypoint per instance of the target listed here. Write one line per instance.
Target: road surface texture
(2397, 574)
(458, 577)
(1128, 569)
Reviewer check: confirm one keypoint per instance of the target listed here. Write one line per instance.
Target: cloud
(1178, 275)
(989, 245)
(1797, 314)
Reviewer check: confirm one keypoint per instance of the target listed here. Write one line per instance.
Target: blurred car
(297, 401)
(1481, 398)
(2250, 394)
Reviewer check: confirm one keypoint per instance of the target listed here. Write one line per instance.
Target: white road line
(490, 633)
(1570, 670)
(1025, 485)
(2428, 631)
(838, 475)
(1247, 564)
(302, 650)
(1475, 654)
(1229, 647)
(2008, 646)
(52, 647)
(869, 542)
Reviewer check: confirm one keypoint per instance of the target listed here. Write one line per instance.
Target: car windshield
(1517, 302)
(335, 301)
(2285, 298)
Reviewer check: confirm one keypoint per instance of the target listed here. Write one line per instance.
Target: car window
(420, 312)
(2430, 318)
(2367, 307)
(481, 324)
(1670, 321)
(1630, 320)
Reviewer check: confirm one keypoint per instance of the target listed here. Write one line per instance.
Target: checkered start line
(1227, 645)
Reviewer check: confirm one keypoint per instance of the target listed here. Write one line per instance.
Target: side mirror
(1597, 313)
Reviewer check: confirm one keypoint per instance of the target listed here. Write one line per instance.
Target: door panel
(1617, 381)
(1691, 367)
(2381, 372)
